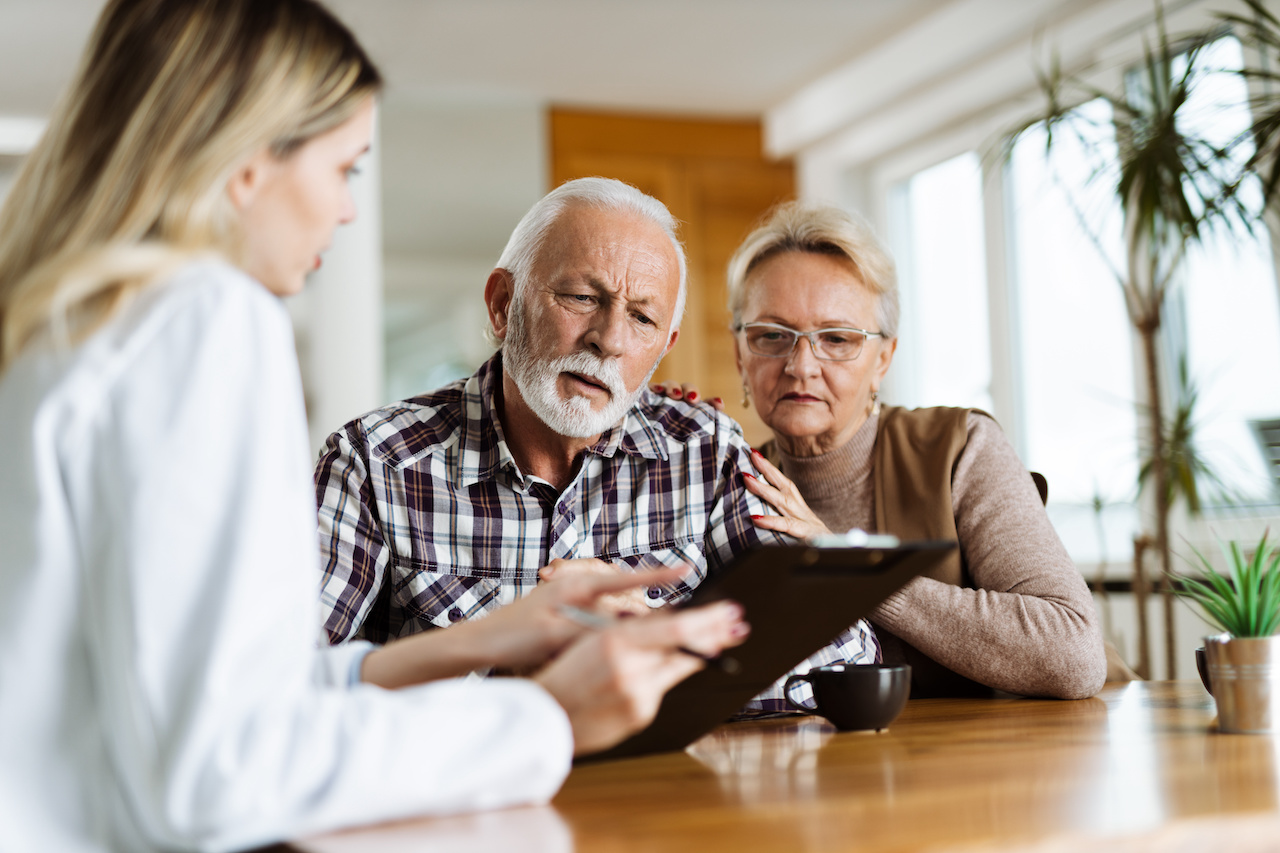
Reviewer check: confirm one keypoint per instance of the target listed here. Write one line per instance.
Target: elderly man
(554, 457)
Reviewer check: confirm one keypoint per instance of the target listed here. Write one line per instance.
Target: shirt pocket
(437, 599)
(684, 554)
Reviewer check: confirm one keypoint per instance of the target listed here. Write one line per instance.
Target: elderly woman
(815, 315)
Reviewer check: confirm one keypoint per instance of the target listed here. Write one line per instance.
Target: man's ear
(499, 290)
(248, 178)
(675, 333)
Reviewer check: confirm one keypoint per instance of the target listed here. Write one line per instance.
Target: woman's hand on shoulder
(684, 391)
(772, 486)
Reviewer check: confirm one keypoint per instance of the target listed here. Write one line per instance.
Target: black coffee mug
(855, 696)
(1202, 667)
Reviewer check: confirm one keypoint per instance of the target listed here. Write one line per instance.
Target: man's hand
(530, 631)
(629, 602)
(611, 682)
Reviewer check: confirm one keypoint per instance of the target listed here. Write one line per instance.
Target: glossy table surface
(1139, 767)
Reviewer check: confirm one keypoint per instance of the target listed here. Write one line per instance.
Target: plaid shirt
(426, 520)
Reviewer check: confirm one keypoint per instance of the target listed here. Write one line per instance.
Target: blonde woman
(162, 685)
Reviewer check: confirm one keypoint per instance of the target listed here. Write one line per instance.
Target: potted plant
(1243, 662)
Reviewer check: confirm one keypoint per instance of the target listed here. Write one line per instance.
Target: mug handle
(786, 694)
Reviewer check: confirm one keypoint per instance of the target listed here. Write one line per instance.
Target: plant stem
(1148, 327)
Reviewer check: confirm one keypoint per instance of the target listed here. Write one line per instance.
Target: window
(945, 327)
(1075, 362)
(1225, 315)
(1064, 363)
(1076, 356)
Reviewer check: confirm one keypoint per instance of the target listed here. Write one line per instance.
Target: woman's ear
(247, 180)
(884, 358)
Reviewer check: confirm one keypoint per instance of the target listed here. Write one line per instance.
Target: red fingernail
(756, 517)
(717, 401)
(747, 476)
(655, 388)
(676, 393)
(693, 395)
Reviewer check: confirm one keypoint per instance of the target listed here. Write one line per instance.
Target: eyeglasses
(774, 341)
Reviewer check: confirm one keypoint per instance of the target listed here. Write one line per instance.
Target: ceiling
(724, 57)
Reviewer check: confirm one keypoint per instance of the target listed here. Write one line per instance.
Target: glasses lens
(839, 344)
(770, 340)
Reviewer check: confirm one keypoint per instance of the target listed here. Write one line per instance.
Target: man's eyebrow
(602, 287)
(599, 285)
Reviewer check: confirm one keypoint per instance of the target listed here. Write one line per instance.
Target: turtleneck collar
(837, 486)
(833, 475)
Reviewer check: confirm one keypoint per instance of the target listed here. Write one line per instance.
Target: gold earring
(746, 395)
(875, 402)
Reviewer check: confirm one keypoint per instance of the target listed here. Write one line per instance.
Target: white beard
(537, 381)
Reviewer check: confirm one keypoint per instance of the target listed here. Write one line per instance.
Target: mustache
(605, 371)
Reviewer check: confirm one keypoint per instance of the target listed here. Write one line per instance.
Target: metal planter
(1245, 675)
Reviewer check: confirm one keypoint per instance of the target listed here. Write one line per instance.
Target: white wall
(398, 308)
(338, 316)
(464, 174)
(8, 165)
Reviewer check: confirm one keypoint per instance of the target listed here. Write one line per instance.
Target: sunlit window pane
(945, 288)
(1230, 316)
(1075, 345)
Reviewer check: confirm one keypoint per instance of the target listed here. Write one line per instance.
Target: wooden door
(713, 177)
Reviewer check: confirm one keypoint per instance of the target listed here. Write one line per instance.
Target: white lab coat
(161, 683)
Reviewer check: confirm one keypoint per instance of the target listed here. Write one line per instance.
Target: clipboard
(797, 599)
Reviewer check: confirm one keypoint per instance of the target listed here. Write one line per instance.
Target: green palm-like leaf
(1188, 471)
(1261, 29)
(1173, 187)
(1271, 592)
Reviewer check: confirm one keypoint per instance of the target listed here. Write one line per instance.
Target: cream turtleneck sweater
(1029, 626)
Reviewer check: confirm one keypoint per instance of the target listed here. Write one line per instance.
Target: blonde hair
(170, 98)
(822, 229)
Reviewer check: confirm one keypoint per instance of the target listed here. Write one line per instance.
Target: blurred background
(891, 108)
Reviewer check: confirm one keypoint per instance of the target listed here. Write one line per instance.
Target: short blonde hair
(821, 229)
(170, 98)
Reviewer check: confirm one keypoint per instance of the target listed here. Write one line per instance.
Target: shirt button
(654, 592)
(455, 615)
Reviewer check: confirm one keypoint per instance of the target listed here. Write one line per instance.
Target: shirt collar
(485, 451)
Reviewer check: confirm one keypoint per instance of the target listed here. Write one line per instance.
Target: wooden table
(1140, 767)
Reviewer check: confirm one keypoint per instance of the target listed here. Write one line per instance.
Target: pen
(599, 621)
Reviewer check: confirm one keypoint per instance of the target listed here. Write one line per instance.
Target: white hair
(600, 193)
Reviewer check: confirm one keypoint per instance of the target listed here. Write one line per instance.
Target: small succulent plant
(1245, 603)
